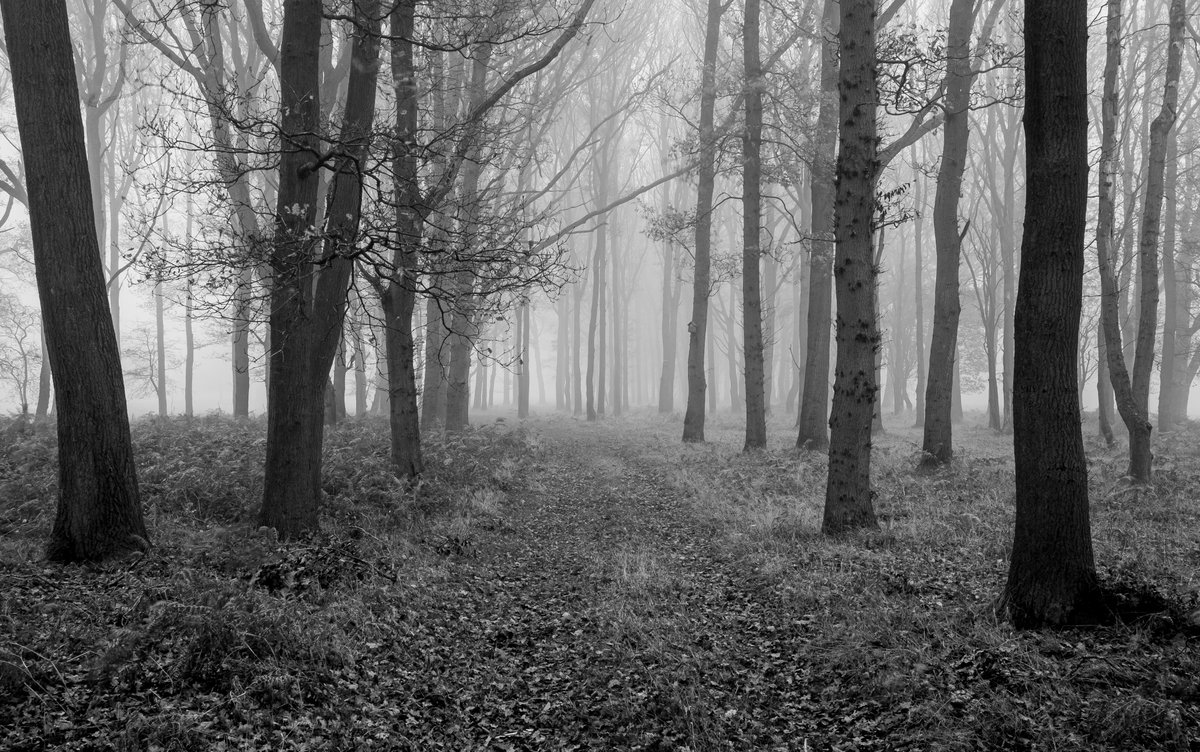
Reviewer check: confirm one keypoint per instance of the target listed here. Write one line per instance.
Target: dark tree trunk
(752, 308)
(1052, 577)
(814, 400)
(693, 419)
(400, 296)
(307, 317)
(939, 389)
(848, 492)
(99, 512)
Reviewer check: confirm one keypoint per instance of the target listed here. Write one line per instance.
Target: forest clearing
(557, 584)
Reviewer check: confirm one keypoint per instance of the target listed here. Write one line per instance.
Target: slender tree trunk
(576, 351)
(919, 302)
(814, 400)
(752, 308)
(939, 391)
(523, 362)
(1170, 333)
(99, 512)
(1133, 391)
(693, 419)
(160, 350)
(1052, 576)
(848, 492)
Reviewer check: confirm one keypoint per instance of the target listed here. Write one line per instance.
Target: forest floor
(557, 584)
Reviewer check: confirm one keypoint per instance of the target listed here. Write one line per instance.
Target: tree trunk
(814, 400)
(437, 360)
(307, 316)
(400, 296)
(937, 440)
(1051, 577)
(919, 303)
(693, 419)
(752, 309)
(99, 512)
(1170, 333)
(848, 492)
(1133, 391)
(160, 350)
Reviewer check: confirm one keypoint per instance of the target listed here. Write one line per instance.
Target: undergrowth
(631, 593)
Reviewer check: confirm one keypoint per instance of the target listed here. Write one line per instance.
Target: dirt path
(599, 616)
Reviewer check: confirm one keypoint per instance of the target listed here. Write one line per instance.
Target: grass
(634, 592)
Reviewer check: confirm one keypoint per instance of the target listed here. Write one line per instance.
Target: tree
(1052, 577)
(1133, 390)
(946, 306)
(99, 512)
(814, 400)
(19, 352)
(848, 490)
(752, 318)
(693, 419)
(306, 313)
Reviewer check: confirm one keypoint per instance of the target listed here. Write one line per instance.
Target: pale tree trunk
(577, 351)
(814, 400)
(848, 491)
(618, 341)
(939, 390)
(523, 362)
(189, 338)
(433, 397)
(1167, 385)
(160, 355)
(562, 362)
(99, 512)
(1051, 576)
(752, 310)
(693, 419)
(919, 302)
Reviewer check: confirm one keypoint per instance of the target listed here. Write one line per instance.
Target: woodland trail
(600, 616)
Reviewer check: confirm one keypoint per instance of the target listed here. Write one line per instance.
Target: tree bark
(99, 511)
(752, 310)
(693, 419)
(1052, 577)
(307, 317)
(937, 440)
(1132, 391)
(400, 296)
(814, 399)
(848, 491)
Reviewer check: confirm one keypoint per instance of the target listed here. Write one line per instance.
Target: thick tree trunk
(848, 492)
(939, 391)
(1051, 577)
(99, 512)
(814, 400)
(693, 419)
(307, 317)
(752, 308)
